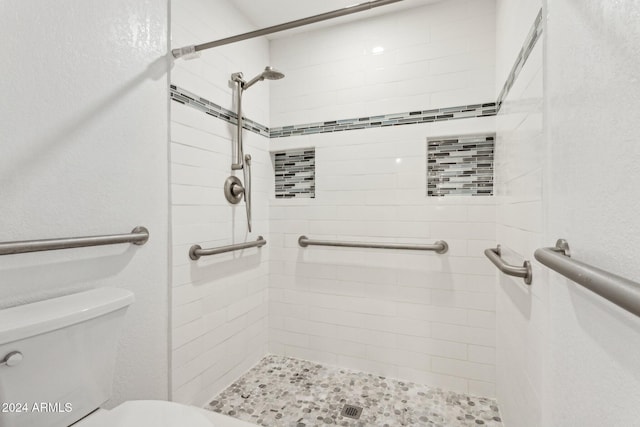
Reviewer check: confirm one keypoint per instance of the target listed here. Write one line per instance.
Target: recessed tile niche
(295, 173)
(460, 165)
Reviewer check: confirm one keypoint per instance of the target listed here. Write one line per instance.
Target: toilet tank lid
(27, 320)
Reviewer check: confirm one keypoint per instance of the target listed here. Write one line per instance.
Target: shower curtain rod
(192, 49)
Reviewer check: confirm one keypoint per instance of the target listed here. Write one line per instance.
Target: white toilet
(57, 360)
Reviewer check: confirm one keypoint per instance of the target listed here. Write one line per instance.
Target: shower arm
(253, 81)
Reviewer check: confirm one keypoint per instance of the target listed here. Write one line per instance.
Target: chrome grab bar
(440, 246)
(138, 236)
(618, 290)
(494, 255)
(196, 251)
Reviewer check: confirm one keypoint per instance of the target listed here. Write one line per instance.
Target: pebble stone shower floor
(287, 392)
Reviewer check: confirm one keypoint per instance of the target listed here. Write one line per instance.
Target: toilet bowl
(62, 352)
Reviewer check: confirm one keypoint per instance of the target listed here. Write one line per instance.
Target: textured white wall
(522, 310)
(419, 316)
(565, 356)
(592, 104)
(219, 308)
(84, 152)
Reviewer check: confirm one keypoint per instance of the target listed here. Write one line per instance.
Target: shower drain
(351, 411)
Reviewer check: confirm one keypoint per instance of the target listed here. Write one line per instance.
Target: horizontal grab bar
(196, 251)
(440, 246)
(495, 256)
(138, 236)
(620, 291)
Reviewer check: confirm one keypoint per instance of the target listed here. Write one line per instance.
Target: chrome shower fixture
(269, 73)
(233, 188)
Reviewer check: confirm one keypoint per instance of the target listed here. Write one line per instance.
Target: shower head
(269, 73)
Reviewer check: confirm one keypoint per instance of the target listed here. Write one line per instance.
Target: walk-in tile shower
(419, 213)
(374, 256)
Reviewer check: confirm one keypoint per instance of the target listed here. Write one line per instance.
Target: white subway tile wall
(436, 56)
(405, 314)
(520, 148)
(219, 303)
(412, 315)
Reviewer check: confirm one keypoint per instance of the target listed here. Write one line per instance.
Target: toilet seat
(147, 413)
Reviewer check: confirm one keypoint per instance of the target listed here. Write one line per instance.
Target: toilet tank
(64, 352)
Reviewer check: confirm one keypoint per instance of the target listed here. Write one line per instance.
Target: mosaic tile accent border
(529, 43)
(286, 392)
(460, 165)
(396, 119)
(185, 97)
(295, 173)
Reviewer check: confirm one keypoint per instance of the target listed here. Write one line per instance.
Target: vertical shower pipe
(237, 77)
(242, 162)
(233, 188)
